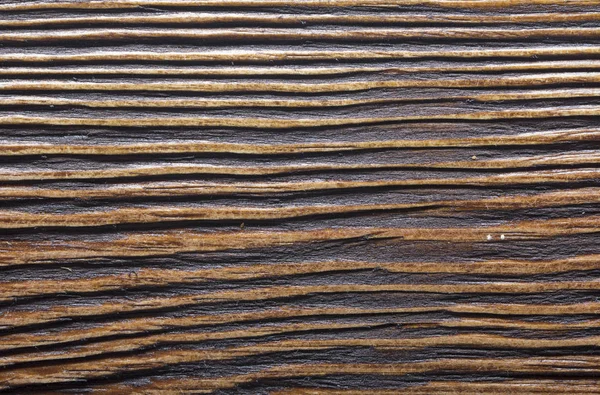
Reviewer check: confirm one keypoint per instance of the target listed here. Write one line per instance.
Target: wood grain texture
(331, 197)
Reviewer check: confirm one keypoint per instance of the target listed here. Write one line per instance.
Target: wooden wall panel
(300, 197)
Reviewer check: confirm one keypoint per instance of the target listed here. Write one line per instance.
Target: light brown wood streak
(550, 137)
(112, 4)
(158, 358)
(51, 374)
(280, 123)
(296, 35)
(285, 55)
(144, 336)
(505, 323)
(573, 158)
(141, 343)
(543, 79)
(61, 312)
(283, 19)
(207, 188)
(302, 70)
(555, 94)
(16, 219)
(147, 325)
(166, 277)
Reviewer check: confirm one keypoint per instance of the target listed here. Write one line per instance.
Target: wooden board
(300, 197)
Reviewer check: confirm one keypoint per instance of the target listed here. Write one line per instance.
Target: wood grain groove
(574, 158)
(152, 324)
(139, 245)
(16, 219)
(187, 356)
(531, 365)
(157, 189)
(166, 277)
(63, 312)
(546, 137)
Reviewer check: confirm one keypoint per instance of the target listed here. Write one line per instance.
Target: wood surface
(285, 197)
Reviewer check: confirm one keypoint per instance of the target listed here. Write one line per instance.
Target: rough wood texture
(300, 197)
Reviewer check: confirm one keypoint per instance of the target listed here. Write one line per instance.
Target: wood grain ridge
(261, 3)
(298, 20)
(266, 56)
(291, 35)
(334, 70)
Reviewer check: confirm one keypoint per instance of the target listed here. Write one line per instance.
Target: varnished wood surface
(331, 197)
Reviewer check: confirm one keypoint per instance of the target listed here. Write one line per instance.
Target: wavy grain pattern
(299, 197)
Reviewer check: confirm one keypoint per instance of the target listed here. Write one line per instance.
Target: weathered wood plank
(299, 197)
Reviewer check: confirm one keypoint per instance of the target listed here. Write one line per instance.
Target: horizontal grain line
(160, 339)
(59, 313)
(554, 94)
(573, 158)
(300, 70)
(280, 123)
(127, 4)
(157, 189)
(289, 291)
(543, 79)
(141, 326)
(72, 371)
(299, 55)
(169, 357)
(131, 344)
(288, 19)
(167, 277)
(232, 35)
(169, 243)
(168, 147)
(486, 323)
(147, 325)
(20, 220)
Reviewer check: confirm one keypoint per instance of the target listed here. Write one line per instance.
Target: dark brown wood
(300, 197)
